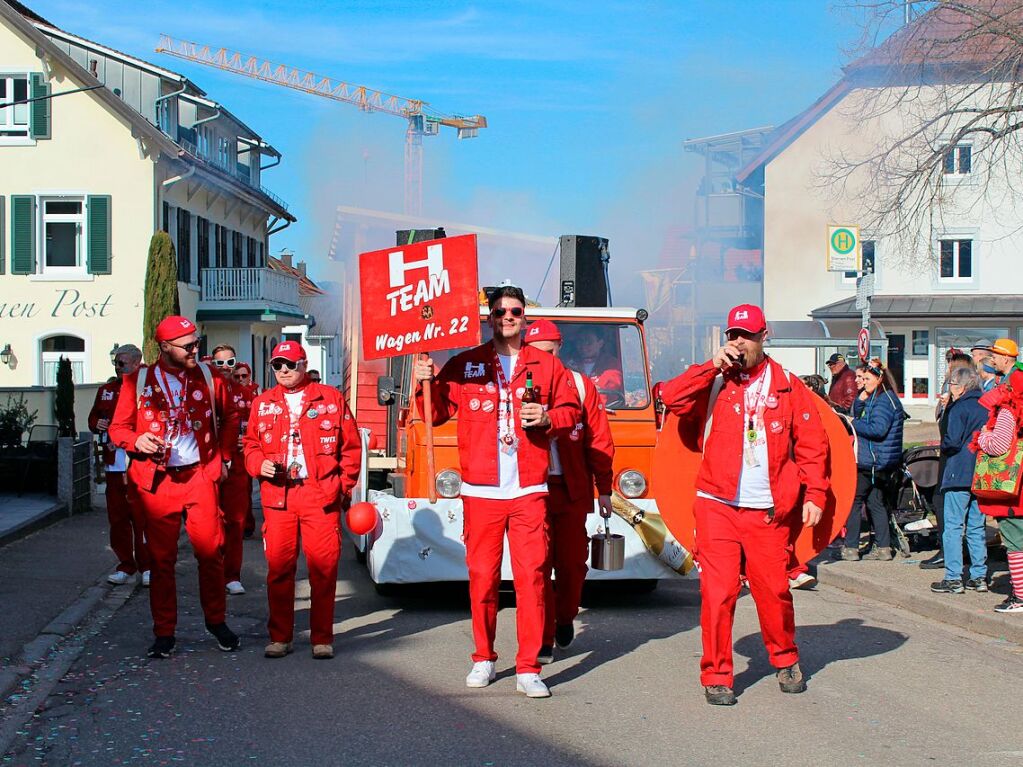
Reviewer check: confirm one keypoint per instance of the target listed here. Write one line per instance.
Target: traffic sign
(863, 344)
(844, 254)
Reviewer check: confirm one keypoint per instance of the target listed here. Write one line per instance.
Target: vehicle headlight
(631, 483)
(449, 483)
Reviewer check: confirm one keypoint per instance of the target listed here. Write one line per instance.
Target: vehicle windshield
(609, 353)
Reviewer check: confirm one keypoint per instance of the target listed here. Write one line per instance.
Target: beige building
(966, 289)
(98, 150)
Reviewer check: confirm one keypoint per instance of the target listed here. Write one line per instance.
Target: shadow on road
(819, 646)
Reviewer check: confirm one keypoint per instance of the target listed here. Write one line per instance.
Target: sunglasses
(242, 377)
(279, 365)
(229, 362)
(516, 311)
(734, 335)
(120, 363)
(190, 347)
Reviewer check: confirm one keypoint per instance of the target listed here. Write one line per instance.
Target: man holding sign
(511, 401)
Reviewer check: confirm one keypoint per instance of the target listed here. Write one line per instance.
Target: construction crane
(422, 120)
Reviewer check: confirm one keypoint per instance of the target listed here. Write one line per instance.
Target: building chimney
(301, 268)
(286, 256)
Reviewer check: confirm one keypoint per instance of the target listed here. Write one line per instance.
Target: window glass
(965, 258)
(947, 259)
(14, 120)
(62, 232)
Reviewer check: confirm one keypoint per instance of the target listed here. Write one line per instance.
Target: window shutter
(40, 114)
(98, 211)
(23, 234)
(3, 232)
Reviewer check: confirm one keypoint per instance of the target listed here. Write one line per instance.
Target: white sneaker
(482, 674)
(802, 581)
(118, 578)
(145, 578)
(532, 685)
(235, 588)
(919, 525)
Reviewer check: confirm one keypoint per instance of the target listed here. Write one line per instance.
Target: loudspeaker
(583, 279)
(418, 235)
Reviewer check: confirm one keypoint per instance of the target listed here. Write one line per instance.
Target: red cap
(243, 366)
(543, 330)
(288, 350)
(746, 317)
(174, 327)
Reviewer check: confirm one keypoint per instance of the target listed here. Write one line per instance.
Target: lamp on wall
(6, 354)
(113, 350)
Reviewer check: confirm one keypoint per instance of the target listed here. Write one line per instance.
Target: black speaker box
(583, 276)
(418, 235)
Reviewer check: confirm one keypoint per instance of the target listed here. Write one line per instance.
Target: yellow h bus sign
(844, 254)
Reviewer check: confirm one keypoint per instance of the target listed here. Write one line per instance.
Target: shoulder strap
(579, 386)
(208, 378)
(140, 383)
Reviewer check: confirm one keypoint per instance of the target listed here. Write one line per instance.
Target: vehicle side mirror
(386, 394)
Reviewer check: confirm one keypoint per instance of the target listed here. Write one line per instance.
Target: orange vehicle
(419, 541)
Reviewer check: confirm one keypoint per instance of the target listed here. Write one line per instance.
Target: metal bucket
(607, 551)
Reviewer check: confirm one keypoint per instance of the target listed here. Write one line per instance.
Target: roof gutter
(287, 223)
(175, 179)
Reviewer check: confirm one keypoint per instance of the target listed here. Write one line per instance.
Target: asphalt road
(886, 688)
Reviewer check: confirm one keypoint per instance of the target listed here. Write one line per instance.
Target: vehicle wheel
(360, 556)
(644, 586)
(386, 589)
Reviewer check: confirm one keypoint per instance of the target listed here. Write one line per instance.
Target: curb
(941, 608)
(43, 519)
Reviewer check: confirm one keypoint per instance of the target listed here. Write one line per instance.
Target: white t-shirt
(296, 454)
(754, 490)
(507, 463)
(184, 448)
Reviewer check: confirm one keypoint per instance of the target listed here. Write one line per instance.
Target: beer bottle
(530, 394)
(650, 527)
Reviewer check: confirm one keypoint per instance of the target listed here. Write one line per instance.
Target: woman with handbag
(877, 420)
(964, 417)
(996, 481)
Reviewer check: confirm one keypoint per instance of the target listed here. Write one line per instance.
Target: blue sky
(588, 102)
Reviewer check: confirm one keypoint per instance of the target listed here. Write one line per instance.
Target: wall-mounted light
(6, 354)
(113, 350)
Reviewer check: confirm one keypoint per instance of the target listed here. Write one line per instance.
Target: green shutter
(23, 234)
(3, 232)
(98, 210)
(40, 122)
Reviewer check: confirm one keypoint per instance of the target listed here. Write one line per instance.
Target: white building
(970, 290)
(87, 177)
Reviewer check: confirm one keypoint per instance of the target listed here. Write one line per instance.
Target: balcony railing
(239, 171)
(257, 285)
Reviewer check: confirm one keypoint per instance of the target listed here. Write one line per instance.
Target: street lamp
(6, 354)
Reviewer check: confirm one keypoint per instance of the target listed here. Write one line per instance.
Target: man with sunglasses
(127, 526)
(765, 455)
(242, 377)
(303, 446)
(504, 450)
(236, 489)
(176, 421)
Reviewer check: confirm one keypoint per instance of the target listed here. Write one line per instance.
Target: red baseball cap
(746, 317)
(174, 327)
(543, 330)
(288, 350)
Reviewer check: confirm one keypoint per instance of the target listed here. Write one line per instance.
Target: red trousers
(173, 493)
(127, 526)
(724, 536)
(236, 507)
(321, 543)
(570, 548)
(485, 524)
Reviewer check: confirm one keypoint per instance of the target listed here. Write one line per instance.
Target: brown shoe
(719, 695)
(791, 679)
(323, 651)
(277, 649)
(879, 555)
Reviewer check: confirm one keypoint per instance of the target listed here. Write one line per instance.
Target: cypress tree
(64, 403)
(161, 296)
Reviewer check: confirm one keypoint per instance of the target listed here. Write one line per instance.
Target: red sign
(419, 298)
(863, 344)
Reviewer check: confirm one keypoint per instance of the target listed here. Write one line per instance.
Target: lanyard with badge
(295, 437)
(177, 421)
(754, 411)
(509, 442)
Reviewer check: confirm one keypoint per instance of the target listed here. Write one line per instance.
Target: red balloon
(362, 518)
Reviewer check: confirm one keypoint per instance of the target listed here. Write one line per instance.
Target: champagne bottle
(650, 527)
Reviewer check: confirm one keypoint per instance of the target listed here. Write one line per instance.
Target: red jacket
(242, 398)
(797, 445)
(843, 389)
(103, 407)
(467, 385)
(136, 415)
(606, 373)
(330, 444)
(587, 453)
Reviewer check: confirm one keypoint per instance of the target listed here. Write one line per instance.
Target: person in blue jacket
(877, 420)
(966, 416)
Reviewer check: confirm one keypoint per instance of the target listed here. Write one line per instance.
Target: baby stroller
(912, 499)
